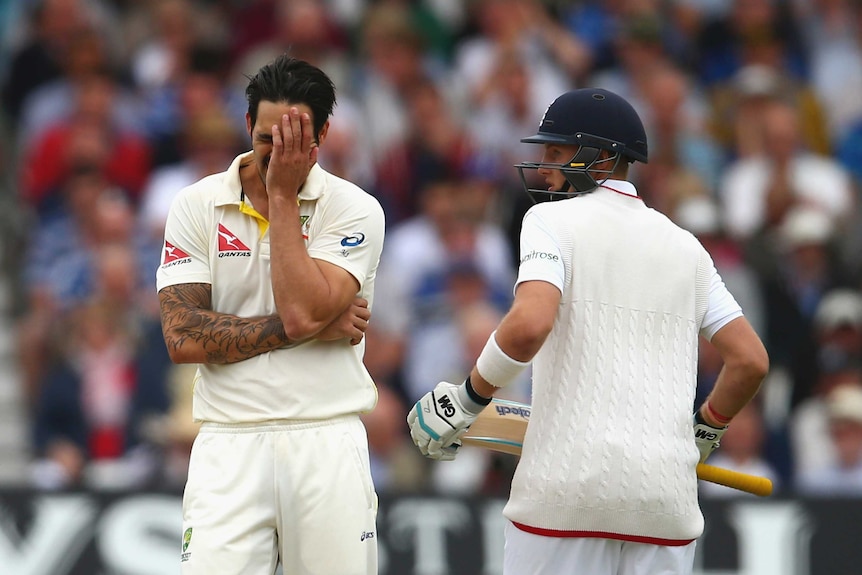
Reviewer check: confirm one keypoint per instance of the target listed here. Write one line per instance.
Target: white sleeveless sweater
(609, 448)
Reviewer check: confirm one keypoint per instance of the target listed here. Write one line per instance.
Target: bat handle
(761, 486)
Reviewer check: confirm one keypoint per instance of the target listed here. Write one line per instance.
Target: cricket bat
(501, 427)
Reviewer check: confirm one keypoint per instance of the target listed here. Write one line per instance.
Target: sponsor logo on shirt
(534, 255)
(172, 256)
(354, 240)
(366, 535)
(229, 245)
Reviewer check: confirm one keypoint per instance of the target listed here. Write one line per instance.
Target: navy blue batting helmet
(593, 119)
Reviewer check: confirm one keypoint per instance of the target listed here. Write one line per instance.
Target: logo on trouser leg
(366, 535)
(187, 539)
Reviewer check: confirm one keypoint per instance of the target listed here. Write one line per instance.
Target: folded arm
(194, 333)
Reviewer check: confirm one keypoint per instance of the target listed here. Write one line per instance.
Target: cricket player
(266, 282)
(609, 302)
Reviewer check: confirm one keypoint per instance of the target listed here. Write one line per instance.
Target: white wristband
(496, 367)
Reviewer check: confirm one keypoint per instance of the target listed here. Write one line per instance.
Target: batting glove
(440, 418)
(706, 437)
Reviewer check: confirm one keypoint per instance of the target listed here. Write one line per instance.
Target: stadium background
(109, 107)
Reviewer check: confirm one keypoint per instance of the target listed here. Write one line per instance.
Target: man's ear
(248, 125)
(321, 137)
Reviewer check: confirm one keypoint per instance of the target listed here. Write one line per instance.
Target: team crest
(303, 222)
(187, 540)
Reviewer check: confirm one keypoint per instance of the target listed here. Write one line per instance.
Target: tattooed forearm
(196, 334)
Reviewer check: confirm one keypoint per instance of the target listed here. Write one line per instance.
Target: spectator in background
(200, 91)
(347, 154)
(306, 30)
(88, 405)
(436, 142)
(639, 51)
(448, 245)
(170, 30)
(685, 162)
(838, 333)
(834, 32)
(844, 476)
(392, 61)
(507, 108)
(55, 101)
(757, 192)
(61, 262)
(104, 378)
(738, 105)
(39, 60)
(750, 31)
(504, 28)
(795, 279)
(90, 136)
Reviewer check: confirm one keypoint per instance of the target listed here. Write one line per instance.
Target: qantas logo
(172, 255)
(229, 245)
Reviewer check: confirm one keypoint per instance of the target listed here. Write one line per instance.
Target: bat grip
(761, 486)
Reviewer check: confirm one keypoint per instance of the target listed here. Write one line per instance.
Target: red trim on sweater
(603, 535)
(621, 193)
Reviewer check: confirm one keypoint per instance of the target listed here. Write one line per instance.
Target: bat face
(500, 427)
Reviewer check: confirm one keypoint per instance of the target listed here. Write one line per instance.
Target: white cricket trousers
(300, 493)
(530, 554)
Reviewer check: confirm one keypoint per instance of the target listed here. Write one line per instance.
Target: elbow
(299, 327)
(180, 352)
(529, 338)
(179, 355)
(753, 366)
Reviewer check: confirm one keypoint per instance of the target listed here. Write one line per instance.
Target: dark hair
(287, 79)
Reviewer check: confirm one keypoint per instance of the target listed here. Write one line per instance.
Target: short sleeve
(721, 308)
(541, 258)
(185, 252)
(351, 236)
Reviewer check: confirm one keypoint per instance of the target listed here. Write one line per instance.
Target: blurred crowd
(753, 110)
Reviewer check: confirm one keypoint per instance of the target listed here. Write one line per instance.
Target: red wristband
(721, 419)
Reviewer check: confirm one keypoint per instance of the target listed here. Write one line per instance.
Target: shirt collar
(621, 187)
(231, 192)
(315, 184)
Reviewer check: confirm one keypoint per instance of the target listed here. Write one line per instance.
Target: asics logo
(353, 240)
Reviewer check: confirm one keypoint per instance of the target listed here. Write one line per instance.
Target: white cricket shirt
(609, 451)
(210, 239)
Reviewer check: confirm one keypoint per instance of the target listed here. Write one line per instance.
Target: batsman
(610, 299)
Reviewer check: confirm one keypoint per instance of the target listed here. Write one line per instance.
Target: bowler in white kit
(266, 282)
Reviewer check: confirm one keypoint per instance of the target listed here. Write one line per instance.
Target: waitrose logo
(534, 255)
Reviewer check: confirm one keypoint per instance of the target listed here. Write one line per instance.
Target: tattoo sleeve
(194, 333)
